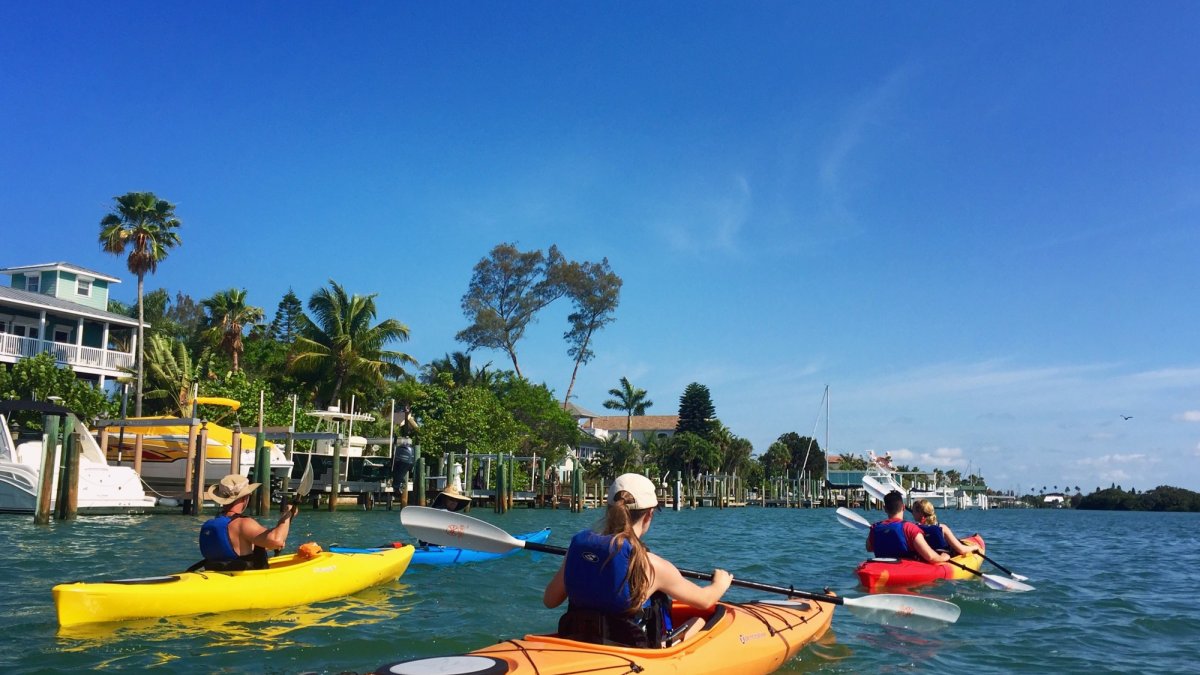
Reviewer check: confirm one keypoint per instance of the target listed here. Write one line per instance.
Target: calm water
(1115, 593)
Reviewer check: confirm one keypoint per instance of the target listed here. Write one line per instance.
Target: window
(83, 288)
(24, 330)
(62, 335)
(33, 283)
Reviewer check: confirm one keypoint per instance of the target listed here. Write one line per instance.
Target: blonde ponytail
(618, 523)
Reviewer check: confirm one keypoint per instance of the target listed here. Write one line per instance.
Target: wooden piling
(41, 515)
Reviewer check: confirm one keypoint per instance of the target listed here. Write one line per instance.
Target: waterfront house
(62, 309)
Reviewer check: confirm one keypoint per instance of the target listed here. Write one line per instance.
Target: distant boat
(165, 450)
(102, 488)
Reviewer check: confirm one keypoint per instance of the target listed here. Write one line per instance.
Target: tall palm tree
(339, 344)
(227, 317)
(146, 224)
(630, 399)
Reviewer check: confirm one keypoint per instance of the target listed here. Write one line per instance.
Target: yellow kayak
(287, 582)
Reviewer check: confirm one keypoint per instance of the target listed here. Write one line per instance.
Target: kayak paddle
(853, 520)
(993, 581)
(455, 529)
(876, 489)
(1002, 568)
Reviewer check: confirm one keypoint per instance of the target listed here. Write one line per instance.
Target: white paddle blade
(1002, 584)
(879, 490)
(851, 519)
(912, 612)
(306, 480)
(456, 530)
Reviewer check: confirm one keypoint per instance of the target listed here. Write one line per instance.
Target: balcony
(83, 359)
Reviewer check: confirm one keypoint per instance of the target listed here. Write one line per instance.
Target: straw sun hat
(231, 488)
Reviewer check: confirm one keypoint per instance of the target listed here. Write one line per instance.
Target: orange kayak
(879, 573)
(744, 638)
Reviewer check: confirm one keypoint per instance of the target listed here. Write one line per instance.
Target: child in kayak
(899, 538)
(938, 536)
(620, 592)
(233, 541)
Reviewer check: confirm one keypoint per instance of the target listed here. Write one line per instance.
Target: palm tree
(339, 344)
(227, 317)
(462, 374)
(169, 372)
(630, 399)
(146, 224)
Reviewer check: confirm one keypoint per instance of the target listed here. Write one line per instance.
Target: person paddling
(937, 535)
(232, 541)
(450, 499)
(618, 591)
(896, 537)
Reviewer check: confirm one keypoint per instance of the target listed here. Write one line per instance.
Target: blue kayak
(431, 554)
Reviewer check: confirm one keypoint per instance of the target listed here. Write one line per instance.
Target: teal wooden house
(62, 309)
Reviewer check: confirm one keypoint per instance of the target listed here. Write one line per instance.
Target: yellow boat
(165, 450)
(289, 581)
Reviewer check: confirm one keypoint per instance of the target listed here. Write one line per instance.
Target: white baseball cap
(639, 486)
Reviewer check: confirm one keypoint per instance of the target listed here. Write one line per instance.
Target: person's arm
(871, 541)
(926, 552)
(271, 539)
(556, 590)
(957, 546)
(668, 579)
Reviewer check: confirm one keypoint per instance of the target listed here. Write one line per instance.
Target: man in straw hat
(233, 541)
(450, 499)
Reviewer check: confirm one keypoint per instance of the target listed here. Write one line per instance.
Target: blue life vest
(600, 597)
(888, 540)
(593, 581)
(215, 544)
(935, 538)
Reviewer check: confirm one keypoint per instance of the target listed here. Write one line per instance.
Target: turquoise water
(1114, 594)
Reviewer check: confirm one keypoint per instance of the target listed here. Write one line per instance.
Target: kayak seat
(681, 613)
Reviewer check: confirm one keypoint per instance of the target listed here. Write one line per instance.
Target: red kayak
(879, 573)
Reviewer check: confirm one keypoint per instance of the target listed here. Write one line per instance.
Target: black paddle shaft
(704, 576)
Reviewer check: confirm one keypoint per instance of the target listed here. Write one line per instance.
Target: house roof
(639, 422)
(579, 411)
(15, 296)
(65, 266)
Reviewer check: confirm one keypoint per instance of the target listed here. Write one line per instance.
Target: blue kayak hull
(446, 555)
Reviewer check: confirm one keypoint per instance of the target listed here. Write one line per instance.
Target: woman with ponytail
(618, 591)
(937, 535)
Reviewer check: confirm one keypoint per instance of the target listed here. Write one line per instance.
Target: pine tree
(286, 324)
(697, 413)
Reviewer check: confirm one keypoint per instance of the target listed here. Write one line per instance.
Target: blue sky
(977, 224)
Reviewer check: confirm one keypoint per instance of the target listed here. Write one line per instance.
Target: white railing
(69, 355)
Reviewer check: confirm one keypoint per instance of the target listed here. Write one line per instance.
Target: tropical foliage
(508, 288)
(339, 352)
(630, 400)
(227, 315)
(145, 225)
(595, 293)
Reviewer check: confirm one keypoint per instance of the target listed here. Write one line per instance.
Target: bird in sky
(1127, 417)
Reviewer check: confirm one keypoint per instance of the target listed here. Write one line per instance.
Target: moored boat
(290, 580)
(432, 554)
(102, 488)
(744, 638)
(165, 450)
(878, 573)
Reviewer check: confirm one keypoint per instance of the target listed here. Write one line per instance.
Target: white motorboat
(102, 488)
